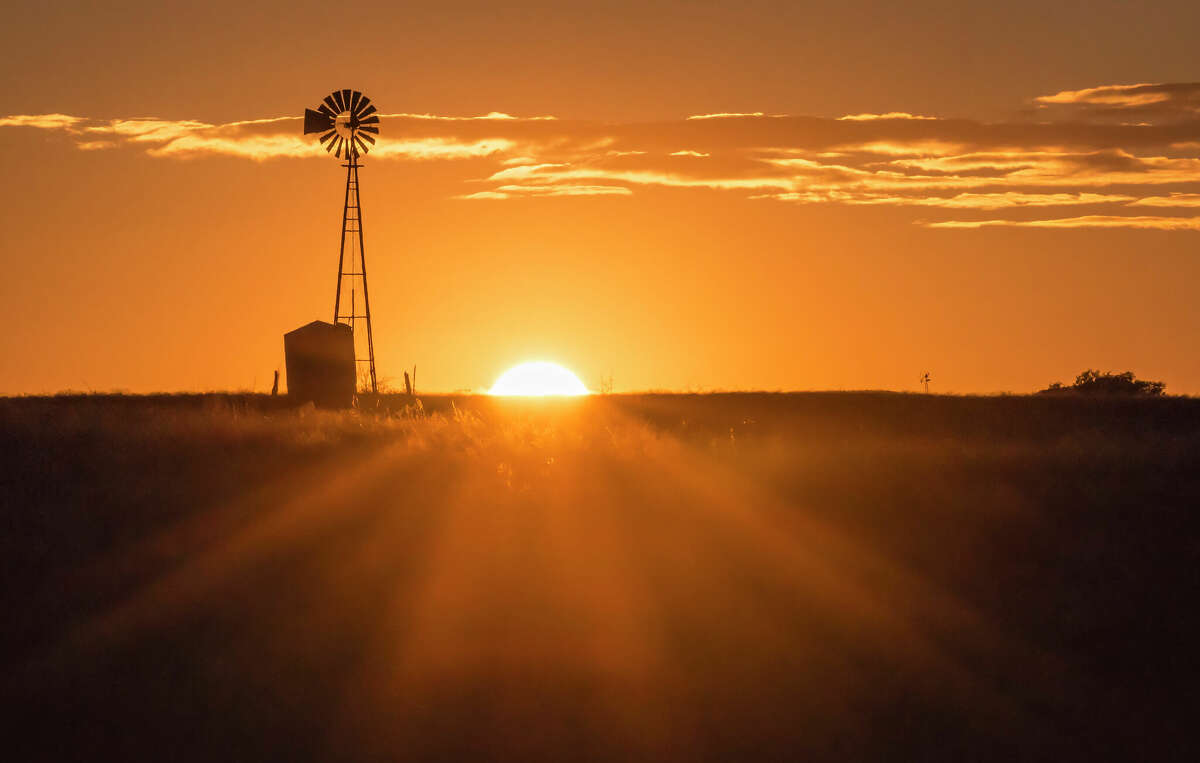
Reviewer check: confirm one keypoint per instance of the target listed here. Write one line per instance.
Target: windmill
(348, 124)
(925, 380)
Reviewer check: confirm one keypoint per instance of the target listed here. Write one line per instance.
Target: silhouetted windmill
(925, 380)
(348, 125)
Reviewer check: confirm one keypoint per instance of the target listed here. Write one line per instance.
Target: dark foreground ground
(720, 577)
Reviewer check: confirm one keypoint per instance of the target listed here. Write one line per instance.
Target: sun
(538, 379)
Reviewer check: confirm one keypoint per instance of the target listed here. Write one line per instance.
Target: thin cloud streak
(1085, 221)
(888, 115)
(258, 139)
(982, 201)
(541, 191)
(559, 172)
(1111, 95)
(43, 121)
(1173, 200)
(490, 116)
(733, 115)
(1153, 101)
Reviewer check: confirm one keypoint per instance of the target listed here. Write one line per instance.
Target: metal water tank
(320, 364)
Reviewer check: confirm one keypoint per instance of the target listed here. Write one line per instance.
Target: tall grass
(826, 576)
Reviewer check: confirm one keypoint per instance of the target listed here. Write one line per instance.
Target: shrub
(1092, 382)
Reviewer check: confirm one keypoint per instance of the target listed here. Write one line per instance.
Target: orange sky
(165, 221)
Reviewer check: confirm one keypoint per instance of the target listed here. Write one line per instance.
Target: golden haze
(721, 209)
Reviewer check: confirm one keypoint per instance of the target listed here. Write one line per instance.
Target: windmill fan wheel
(347, 122)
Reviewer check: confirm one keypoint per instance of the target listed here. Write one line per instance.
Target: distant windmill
(925, 380)
(348, 125)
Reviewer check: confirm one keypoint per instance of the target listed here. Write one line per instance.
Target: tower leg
(352, 228)
(337, 294)
(362, 261)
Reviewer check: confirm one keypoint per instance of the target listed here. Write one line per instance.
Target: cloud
(1103, 168)
(1108, 167)
(1172, 200)
(926, 147)
(492, 115)
(727, 115)
(271, 138)
(1086, 221)
(982, 201)
(262, 147)
(888, 115)
(558, 173)
(151, 130)
(565, 189)
(256, 147)
(1112, 95)
(1152, 101)
(44, 121)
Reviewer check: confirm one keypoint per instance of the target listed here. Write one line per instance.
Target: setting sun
(536, 379)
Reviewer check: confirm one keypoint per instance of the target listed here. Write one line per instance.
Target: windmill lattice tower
(348, 125)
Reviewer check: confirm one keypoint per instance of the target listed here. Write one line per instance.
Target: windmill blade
(332, 144)
(366, 136)
(327, 111)
(359, 142)
(315, 121)
(354, 98)
(371, 120)
(362, 106)
(337, 98)
(328, 135)
(332, 104)
(346, 99)
(369, 128)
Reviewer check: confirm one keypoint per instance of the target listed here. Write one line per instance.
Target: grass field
(679, 577)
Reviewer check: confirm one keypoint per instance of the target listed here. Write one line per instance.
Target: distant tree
(1093, 382)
